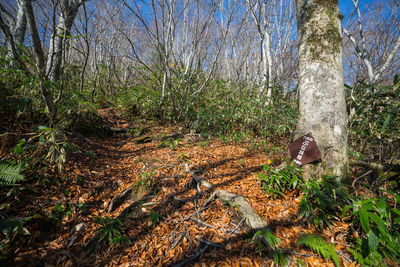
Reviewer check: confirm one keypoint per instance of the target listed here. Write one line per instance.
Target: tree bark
(20, 24)
(37, 45)
(17, 28)
(322, 102)
(69, 10)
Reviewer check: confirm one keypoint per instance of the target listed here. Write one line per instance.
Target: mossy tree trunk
(321, 87)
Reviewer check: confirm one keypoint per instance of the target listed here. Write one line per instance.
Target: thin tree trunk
(20, 25)
(38, 50)
(69, 10)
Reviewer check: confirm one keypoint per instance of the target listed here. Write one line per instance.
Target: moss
(319, 169)
(327, 3)
(324, 37)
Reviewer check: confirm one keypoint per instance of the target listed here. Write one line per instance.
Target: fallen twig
(203, 223)
(178, 240)
(237, 226)
(195, 256)
(353, 184)
(211, 244)
(344, 256)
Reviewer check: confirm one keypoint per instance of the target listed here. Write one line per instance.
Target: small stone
(79, 227)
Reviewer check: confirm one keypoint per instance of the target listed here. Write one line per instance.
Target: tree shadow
(104, 254)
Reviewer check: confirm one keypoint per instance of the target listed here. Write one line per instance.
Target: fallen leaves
(118, 166)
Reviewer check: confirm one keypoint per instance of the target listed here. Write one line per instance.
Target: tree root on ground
(252, 219)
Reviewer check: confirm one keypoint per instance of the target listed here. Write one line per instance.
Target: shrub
(322, 201)
(276, 182)
(378, 225)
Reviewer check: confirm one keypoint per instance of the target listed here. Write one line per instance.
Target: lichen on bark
(323, 18)
(322, 107)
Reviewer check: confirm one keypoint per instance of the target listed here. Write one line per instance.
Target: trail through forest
(141, 187)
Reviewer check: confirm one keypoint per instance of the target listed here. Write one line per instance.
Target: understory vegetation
(156, 133)
(34, 151)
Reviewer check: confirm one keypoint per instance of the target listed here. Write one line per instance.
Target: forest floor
(165, 221)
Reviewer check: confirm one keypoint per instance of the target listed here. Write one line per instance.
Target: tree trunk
(38, 50)
(13, 30)
(37, 45)
(322, 101)
(69, 10)
(20, 25)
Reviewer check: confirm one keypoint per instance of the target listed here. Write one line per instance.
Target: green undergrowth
(229, 110)
(374, 125)
(374, 217)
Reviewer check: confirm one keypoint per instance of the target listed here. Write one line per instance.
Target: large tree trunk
(69, 10)
(322, 101)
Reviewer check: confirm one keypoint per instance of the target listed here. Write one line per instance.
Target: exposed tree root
(252, 219)
(395, 167)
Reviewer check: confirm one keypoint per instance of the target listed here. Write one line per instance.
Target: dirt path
(168, 226)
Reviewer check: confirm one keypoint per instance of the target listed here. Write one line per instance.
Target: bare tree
(375, 51)
(51, 70)
(69, 10)
(259, 13)
(14, 29)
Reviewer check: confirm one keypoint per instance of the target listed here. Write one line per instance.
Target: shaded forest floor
(164, 219)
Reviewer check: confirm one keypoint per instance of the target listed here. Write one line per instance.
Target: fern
(10, 174)
(318, 245)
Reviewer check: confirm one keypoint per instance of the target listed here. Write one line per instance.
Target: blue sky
(346, 6)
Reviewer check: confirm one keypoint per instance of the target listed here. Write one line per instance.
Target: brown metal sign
(304, 150)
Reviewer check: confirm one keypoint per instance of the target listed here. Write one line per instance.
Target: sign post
(304, 150)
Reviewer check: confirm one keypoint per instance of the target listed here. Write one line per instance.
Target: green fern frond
(10, 174)
(333, 254)
(318, 245)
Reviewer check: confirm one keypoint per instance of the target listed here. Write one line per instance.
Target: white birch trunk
(14, 31)
(69, 10)
(322, 101)
(267, 57)
(374, 74)
(20, 25)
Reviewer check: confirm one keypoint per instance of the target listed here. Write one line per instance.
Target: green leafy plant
(147, 176)
(374, 125)
(154, 218)
(54, 140)
(184, 158)
(319, 245)
(81, 206)
(276, 182)
(60, 210)
(170, 143)
(12, 228)
(111, 229)
(90, 154)
(19, 148)
(265, 236)
(10, 174)
(322, 201)
(378, 223)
